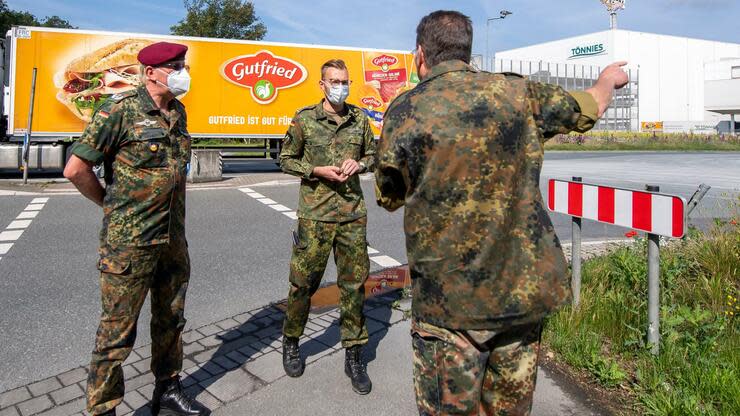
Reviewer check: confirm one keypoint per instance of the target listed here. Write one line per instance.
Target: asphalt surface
(240, 248)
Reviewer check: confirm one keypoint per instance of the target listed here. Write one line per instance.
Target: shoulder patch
(308, 107)
(121, 95)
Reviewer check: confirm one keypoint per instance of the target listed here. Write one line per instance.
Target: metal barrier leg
(575, 259)
(654, 293)
(653, 335)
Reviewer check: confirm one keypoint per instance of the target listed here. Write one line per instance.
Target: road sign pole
(27, 138)
(653, 335)
(575, 260)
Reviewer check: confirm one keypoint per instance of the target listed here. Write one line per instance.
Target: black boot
(292, 362)
(170, 400)
(111, 412)
(355, 369)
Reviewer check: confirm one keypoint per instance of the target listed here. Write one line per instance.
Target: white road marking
(280, 208)
(15, 229)
(10, 235)
(34, 207)
(385, 261)
(19, 224)
(599, 242)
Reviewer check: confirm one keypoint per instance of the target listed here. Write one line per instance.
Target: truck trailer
(240, 89)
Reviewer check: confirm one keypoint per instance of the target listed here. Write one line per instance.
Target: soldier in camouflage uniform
(463, 152)
(141, 138)
(327, 145)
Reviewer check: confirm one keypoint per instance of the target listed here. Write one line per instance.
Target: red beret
(161, 52)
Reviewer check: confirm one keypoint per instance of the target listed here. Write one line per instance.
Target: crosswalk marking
(10, 235)
(382, 260)
(385, 261)
(15, 229)
(19, 224)
(280, 208)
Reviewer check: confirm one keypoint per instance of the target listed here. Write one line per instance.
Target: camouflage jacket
(463, 152)
(314, 139)
(145, 156)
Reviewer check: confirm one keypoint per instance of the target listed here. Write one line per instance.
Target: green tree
(56, 21)
(232, 19)
(9, 18)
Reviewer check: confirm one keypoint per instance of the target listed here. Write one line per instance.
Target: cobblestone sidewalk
(223, 361)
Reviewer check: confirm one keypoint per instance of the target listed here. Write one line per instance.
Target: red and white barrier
(646, 211)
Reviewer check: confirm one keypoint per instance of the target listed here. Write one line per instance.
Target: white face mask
(178, 82)
(337, 95)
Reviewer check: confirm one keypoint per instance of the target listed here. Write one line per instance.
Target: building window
(735, 72)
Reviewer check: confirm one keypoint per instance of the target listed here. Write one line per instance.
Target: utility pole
(502, 15)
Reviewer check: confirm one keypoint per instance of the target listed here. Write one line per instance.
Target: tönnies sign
(584, 51)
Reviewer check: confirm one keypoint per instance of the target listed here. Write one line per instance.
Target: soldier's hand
(350, 167)
(614, 75)
(330, 173)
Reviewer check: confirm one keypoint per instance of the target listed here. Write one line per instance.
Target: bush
(698, 369)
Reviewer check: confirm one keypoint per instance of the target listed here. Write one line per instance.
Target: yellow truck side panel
(239, 88)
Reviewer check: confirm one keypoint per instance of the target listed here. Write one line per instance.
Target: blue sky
(392, 23)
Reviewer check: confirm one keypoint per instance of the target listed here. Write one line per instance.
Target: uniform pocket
(300, 240)
(148, 149)
(353, 147)
(114, 263)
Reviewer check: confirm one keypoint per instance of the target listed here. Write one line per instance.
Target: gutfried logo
(371, 102)
(264, 74)
(385, 62)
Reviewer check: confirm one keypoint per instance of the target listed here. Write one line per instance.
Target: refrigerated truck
(240, 89)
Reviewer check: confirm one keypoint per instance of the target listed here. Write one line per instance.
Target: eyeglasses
(177, 66)
(337, 82)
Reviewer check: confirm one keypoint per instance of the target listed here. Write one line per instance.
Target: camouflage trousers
(127, 274)
(315, 240)
(475, 372)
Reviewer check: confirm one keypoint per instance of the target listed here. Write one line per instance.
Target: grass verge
(594, 141)
(698, 369)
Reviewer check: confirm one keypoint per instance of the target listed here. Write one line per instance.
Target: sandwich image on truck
(88, 81)
(241, 89)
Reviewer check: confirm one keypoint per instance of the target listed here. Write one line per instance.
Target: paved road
(240, 250)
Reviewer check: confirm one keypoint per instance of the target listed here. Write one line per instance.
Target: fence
(622, 115)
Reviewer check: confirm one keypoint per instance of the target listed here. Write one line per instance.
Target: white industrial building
(679, 84)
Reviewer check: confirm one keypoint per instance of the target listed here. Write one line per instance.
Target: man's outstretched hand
(611, 78)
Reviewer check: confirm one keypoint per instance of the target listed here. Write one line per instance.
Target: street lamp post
(502, 15)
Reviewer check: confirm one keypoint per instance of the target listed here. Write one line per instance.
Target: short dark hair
(332, 63)
(445, 35)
